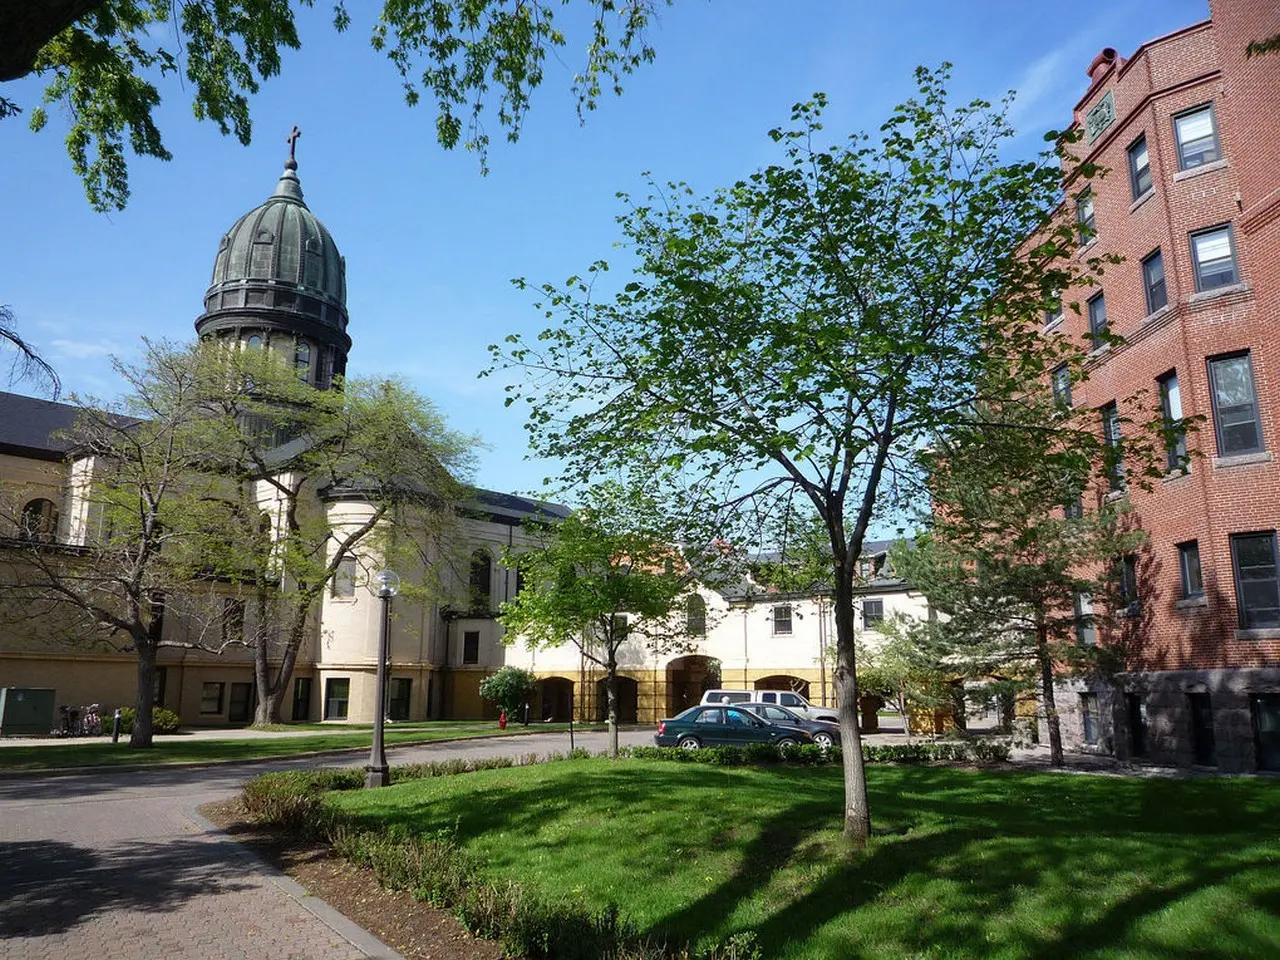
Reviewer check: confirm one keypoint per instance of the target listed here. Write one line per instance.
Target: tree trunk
(146, 653)
(1046, 689)
(611, 694)
(857, 811)
(271, 694)
(904, 709)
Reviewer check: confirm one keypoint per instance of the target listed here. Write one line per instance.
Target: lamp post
(376, 773)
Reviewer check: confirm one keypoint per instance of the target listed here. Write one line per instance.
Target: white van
(782, 698)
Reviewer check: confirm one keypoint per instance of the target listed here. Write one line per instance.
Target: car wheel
(688, 743)
(785, 745)
(824, 740)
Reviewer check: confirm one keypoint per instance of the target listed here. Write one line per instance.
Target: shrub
(162, 720)
(973, 751)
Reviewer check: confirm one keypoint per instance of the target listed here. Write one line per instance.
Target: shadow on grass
(962, 863)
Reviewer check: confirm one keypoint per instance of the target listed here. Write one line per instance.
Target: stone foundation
(1167, 696)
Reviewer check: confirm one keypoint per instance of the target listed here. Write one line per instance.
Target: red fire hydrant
(502, 720)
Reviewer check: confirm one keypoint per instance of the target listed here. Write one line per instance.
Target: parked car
(781, 698)
(825, 733)
(723, 726)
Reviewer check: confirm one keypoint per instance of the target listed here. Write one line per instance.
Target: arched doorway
(628, 700)
(687, 679)
(554, 698)
(784, 681)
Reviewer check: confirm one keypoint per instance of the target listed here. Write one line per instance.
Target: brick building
(1189, 129)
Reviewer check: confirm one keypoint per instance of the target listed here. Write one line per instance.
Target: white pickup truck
(783, 698)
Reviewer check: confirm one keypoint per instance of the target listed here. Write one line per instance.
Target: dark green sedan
(719, 726)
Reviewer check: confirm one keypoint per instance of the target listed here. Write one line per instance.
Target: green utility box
(25, 711)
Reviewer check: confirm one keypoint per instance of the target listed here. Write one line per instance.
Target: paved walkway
(119, 866)
(243, 733)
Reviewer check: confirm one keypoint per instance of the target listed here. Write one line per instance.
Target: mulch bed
(417, 930)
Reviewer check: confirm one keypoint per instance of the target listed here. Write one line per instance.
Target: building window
(398, 698)
(302, 361)
(1089, 714)
(254, 342)
(620, 627)
(211, 697)
(1139, 168)
(1114, 454)
(1257, 587)
(1086, 632)
(1189, 565)
(40, 521)
(782, 620)
(1214, 256)
(872, 613)
(1197, 135)
(302, 698)
(1073, 509)
(1084, 216)
(1137, 707)
(696, 616)
(344, 579)
(158, 685)
(1202, 744)
(232, 620)
(1153, 281)
(1053, 313)
(1127, 583)
(1266, 730)
(1062, 386)
(471, 646)
(337, 697)
(480, 581)
(1097, 321)
(1175, 435)
(1235, 405)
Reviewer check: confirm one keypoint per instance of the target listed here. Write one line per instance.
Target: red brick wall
(1202, 63)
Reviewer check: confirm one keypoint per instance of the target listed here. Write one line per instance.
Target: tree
(510, 688)
(315, 479)
(905, 668)
(805, 333)
(105, 58)
(26, 361)
(136, 488)
(607, 575)
(1025, 574)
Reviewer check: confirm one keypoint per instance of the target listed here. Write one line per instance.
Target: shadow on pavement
(48, 886)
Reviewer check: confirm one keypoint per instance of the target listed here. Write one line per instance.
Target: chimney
(1106, 59)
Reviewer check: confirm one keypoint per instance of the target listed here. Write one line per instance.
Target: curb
(254, 761)
(339, 923)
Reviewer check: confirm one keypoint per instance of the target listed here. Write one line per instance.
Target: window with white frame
(344, 579)
(782, 619)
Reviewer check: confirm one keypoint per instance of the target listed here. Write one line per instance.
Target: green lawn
(178, 750)
(962, 863)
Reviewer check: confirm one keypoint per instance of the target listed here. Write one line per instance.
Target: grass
(178, 750)
(962, 863)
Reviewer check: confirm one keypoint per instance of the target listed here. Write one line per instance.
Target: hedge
(162, 720)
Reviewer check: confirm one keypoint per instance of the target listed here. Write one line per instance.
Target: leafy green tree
(905, 668)
(137, 486)
(806, 332)
(607, 575)
(510, 688)
(105, 61)
(1025, 570)
(312, 478)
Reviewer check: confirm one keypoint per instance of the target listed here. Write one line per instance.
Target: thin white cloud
(1049, 85)
(84, 349)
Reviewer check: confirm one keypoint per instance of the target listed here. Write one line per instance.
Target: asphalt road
(117, 865)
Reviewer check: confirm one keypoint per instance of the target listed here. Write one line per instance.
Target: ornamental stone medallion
(1100, 116)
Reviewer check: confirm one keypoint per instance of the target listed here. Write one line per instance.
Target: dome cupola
(280, 282)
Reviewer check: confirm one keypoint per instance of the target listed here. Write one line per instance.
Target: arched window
(254, 342)
(480, 581)
(696, 613)
(40, 520)
(302, 360)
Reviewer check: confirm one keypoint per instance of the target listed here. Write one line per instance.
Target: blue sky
(431, 245)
